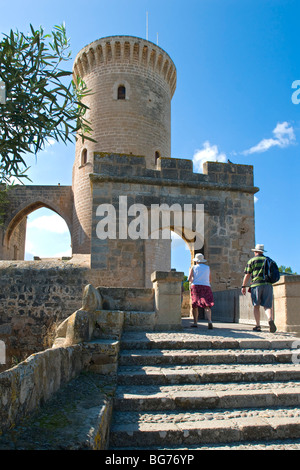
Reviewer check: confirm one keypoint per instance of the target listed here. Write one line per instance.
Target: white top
(201, 275)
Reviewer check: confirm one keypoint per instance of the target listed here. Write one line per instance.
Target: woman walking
(201, 292)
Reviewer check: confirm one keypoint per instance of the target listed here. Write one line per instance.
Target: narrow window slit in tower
(84, 157)
(121, 92)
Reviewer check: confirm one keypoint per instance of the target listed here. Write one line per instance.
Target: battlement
(120, 50)
(173, 171)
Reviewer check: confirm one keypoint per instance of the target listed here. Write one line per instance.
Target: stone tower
(132, 81)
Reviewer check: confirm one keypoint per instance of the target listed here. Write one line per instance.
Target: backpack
(270, 271)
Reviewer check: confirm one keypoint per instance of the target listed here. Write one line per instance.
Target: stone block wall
(139, 124)
(22, 201)
(287, 303)
(225, 190)
(25, 387)
(34, 297)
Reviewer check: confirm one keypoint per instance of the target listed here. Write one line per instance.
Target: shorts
(202, 296)
(262, 295)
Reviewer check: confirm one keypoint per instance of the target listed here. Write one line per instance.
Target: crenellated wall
(120, 50)
(226, 192)
(132, 82)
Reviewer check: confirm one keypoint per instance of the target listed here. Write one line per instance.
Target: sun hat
(259, 247)
(199, 258)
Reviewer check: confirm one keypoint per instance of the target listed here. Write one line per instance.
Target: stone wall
(22, 201)
(139, 124)
(25, 387)
(34, 297)
(37, 296)
(89, 340)
(225, 190)
(287, 303)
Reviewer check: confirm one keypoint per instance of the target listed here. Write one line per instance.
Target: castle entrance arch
(210, 207)
(47, 235)
(25, 200)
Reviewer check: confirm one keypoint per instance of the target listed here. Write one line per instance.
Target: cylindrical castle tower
(132, 82)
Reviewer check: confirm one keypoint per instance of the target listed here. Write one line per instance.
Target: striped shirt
(255, 268)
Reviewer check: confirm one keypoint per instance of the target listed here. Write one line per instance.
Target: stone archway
(47, 236)
(224, 192)
(25, 200)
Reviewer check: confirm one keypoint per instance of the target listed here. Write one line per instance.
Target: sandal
(257, 328)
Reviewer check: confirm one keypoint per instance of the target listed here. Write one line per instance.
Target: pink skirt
(202, 296)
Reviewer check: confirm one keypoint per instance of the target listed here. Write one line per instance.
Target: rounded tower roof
(118, 50)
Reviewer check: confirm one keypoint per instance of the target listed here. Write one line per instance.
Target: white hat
(259, 247)
(199, 258)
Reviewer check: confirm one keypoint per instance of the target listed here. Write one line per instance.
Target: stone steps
(220, 356)
(196, 397)
(140, 375)
(207, 427)
(278, 444)
(184, 391)
(176, 341)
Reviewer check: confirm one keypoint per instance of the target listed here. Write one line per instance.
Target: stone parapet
(25, 387)
(232, 306)
(127, 51)
(172, 171)
(127, 299)
(167, 288)
(287, 303)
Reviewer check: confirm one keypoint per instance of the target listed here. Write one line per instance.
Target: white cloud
(209, 153)
(52, 223)
(283, 137)
(50, 142)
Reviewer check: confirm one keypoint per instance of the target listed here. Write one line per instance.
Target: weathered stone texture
(140, 124)
(22, 201)
(131, 157)
(225, 190)
(36, 296)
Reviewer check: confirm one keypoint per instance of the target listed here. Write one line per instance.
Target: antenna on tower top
(147, 25)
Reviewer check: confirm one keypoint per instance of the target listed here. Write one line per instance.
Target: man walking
(261, 291)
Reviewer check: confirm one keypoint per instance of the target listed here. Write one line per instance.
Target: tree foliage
(42, 100)
(186, 284)
(286, 270)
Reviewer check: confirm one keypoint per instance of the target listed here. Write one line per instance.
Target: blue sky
(236, 61)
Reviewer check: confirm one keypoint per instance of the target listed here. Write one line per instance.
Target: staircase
(199, 389)
(194, 389)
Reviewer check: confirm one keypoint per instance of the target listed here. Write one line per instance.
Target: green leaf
(40, 104)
